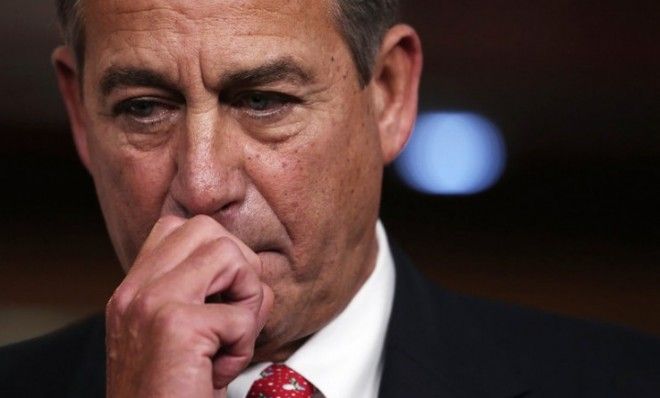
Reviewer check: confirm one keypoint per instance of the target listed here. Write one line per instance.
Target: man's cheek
(144, 178)
(132, 195)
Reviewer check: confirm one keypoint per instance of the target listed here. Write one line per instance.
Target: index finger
(163, 227)
(173, 240)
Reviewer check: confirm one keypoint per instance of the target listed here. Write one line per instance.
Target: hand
(163, 336)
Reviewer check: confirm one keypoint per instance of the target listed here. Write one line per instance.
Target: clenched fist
(184, 321)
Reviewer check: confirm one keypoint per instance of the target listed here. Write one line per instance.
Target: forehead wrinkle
(184, 16)
(222, 11)
(193, 25)
(115, 77)
(272, 8)
(198, 10)
(136, 16)
(129, 53)
(162, 30)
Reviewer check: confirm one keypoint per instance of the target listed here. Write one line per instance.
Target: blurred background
(535, 177)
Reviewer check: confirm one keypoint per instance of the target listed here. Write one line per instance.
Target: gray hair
(363, 23)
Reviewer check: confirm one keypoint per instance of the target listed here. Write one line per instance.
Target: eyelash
(282, 101)
(124, 108)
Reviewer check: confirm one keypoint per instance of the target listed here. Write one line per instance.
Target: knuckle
(225, 246)
(246, 321)
(119, 301)
(143, 306)
(170, 318)
(228, 368)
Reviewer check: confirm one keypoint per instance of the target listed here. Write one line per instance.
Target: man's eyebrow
(283, 69)
(115, 77)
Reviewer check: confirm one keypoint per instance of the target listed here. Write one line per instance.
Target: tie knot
(280, 381)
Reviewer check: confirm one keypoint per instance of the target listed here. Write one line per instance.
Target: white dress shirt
(345, 358)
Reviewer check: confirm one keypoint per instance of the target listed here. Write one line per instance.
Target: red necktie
(278, 380)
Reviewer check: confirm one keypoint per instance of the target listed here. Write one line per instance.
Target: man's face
(249, 112)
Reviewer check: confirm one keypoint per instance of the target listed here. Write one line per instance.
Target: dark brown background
(571, 227)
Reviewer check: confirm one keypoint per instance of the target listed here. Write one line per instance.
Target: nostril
(228, 206)
(211, 209)
(171, 206)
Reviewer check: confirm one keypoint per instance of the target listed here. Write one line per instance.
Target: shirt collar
(344, 358)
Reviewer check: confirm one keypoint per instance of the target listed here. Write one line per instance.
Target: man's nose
(210, 177)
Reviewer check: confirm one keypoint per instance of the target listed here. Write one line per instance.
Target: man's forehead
(230, 37)
(163, 24)
(224, 10)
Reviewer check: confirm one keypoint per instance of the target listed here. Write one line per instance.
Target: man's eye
(260, 101)
(263, 103)
(144, 110)
(141, 108)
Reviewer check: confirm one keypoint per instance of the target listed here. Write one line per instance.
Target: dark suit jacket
(439, 344)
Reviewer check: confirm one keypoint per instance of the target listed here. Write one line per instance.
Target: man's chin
(268, 348)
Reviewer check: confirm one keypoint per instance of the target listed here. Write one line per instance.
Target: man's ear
(395, 88)
(69, 83)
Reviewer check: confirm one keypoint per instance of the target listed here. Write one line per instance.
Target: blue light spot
(452, 153)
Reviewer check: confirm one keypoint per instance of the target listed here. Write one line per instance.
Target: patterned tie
(280, 381)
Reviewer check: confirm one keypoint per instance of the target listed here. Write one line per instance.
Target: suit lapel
(435, 349)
